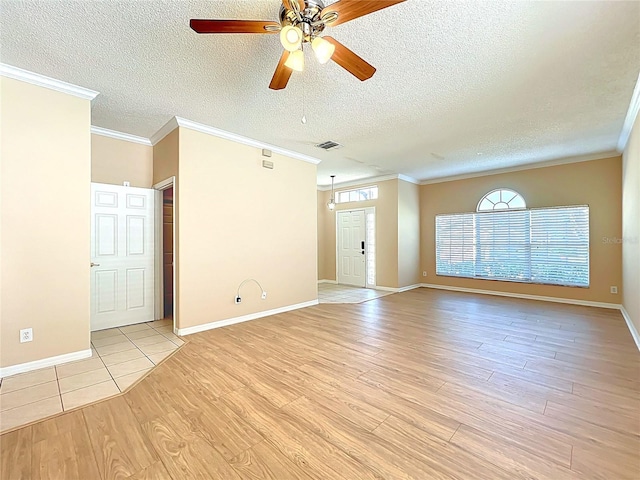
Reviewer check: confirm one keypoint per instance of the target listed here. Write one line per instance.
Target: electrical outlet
(614, 289)
(264, 295)
(26, 335)
(238, 299)
(424, 274)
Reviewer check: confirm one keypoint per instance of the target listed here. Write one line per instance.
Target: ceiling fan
(302, 21)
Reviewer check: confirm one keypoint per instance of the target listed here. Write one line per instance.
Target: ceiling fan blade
(288, 4)
(282, 74)
(349, 9)
(351, 62)
(233, 26)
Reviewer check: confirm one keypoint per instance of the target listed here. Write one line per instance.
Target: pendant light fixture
(332, 201)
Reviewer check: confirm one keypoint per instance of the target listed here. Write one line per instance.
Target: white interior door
(122, 255)
(351, 248)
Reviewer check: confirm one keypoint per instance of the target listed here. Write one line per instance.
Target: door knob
(95, 264)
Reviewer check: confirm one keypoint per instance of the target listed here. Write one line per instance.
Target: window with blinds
(560, 246)
(545, 245)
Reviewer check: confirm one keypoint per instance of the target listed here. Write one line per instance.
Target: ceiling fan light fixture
(296, 61)
(291, 38)
(323, 49)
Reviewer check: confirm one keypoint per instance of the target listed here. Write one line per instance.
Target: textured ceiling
(460, 87)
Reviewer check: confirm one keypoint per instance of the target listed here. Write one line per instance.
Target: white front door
(351, 248)
(122, 256)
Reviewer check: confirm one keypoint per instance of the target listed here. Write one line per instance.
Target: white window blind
(503, 245)
(455, 245)
(560, 246)
(548, 245)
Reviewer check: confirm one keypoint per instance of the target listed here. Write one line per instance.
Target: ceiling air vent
(328, 145)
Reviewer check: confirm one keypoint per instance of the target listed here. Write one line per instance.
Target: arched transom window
(501, 199)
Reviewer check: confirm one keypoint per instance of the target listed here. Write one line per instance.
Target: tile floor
(334, 293)
(121, 356)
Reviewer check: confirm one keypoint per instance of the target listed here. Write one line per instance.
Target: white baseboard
(379, 287)
(244, 318)
(631, 326)
(385, 289)
(586, 303)
(613, 306)
(409, 287)
(43, 363)
(397, 289)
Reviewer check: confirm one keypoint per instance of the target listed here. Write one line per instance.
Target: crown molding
(369, 181)
(105, 132)
(16, 73)
(550, 163)
(632, 114)
(165, 130)
(360, 182)
(216, 132)
(409, 179)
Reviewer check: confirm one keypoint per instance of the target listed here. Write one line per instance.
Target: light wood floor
(423, 384)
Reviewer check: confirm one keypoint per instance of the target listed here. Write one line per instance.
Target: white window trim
(517, 194)
(365, 187)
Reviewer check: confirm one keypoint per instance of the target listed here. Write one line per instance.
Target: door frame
(159, 243)
(366, 211)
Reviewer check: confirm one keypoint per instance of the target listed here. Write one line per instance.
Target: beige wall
(408, 234)
(595, 183)
(386, 232)
(116, 161)
(45, 190)
(165, 165)
(324, 216)
(326, 238)
(165, 158)
(238, 220)
(631, 226)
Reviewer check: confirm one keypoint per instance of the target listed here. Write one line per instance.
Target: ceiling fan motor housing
(310, 22)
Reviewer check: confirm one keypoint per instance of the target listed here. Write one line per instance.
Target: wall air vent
(328, 145)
